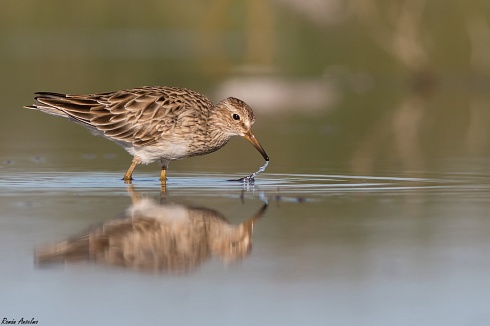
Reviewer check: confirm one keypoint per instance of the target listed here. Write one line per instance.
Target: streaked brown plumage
(153, 237)
(156, 123)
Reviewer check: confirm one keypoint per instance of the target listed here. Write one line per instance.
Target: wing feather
(139, 116)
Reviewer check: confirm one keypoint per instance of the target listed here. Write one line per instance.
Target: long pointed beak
(249, 224)
(251, 138)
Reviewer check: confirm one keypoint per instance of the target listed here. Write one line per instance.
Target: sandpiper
(157, 237)
(156, 123)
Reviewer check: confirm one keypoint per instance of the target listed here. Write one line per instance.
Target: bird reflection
(155, 237)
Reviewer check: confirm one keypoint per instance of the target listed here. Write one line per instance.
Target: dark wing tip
(49, 95)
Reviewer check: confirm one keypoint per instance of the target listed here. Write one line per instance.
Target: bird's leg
(163, 190)
(163, 194)
(163, 175)
(135, 198)
(128, 176)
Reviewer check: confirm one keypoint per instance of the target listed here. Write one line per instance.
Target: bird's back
(138, 116)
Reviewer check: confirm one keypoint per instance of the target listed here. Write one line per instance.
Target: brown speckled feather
(140, 116)
(154, 237)
(156, 123)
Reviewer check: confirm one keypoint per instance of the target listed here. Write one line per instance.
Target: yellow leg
(163, 173)
(129, 173)
(163, 180)
(163, 176)
(135, 198)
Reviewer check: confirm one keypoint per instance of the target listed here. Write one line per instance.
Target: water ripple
(311, 185)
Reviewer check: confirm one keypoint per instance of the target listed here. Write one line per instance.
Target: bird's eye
(236, 116)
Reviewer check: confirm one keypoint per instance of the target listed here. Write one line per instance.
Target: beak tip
(251, 138)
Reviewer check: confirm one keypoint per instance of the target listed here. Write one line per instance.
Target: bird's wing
(140, 116)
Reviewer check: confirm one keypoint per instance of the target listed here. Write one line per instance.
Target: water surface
(328, 245)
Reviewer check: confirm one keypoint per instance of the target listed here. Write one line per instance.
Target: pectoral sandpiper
(154, 237)
(156, 123)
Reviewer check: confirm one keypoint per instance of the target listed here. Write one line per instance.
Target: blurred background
(361, 86)
(375, 115)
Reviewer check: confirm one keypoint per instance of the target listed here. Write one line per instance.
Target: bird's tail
(67, 250)
(45, 106)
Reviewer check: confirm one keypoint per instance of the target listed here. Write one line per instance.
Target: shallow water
(327, 245)
(377, 192)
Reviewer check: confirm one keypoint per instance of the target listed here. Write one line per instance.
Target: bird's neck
(216, 132)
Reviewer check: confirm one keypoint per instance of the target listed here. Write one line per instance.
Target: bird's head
(236, 119)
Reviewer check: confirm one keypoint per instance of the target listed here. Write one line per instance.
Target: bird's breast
(163, 150)
(175, 149)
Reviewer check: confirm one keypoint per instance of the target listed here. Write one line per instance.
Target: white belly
(168, 151)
